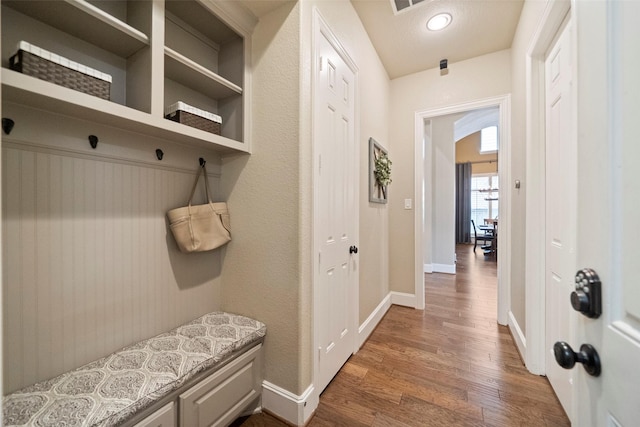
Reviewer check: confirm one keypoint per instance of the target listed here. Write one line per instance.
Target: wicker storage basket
(194, 117)
(36, 62)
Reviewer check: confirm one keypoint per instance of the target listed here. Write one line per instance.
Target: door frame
(322, 29)
(535, 265)
(504, 173)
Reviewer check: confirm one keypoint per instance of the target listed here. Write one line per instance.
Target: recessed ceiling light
(439, 21)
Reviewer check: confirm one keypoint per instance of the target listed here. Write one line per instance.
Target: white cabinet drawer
(163, 417)
(220, 398)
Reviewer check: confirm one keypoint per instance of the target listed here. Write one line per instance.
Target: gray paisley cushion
(111, 390)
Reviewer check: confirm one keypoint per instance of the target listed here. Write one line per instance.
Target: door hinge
(320, 64)
(319, 163)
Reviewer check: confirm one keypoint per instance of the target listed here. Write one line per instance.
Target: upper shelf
(185, 71)
(87, 22)
(26, 90)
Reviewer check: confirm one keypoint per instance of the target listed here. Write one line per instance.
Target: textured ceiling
(405, 45)
(403, 42)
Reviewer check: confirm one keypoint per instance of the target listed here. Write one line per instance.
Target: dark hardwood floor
(449, 365)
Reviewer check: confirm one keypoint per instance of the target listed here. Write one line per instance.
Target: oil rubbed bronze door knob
(567, 358)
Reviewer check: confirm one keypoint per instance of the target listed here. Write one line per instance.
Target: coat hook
(202, 162)
(93, 140)
(7, 125)
(159, 154)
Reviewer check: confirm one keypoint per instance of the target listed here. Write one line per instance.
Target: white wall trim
(444, 268)
(372, 321)
(535, 264)
(505, 212)
(428, 268)
(504, 237)
(294, 409)
(403, 299)
(518, 335)
(418, 228)
(1, 269)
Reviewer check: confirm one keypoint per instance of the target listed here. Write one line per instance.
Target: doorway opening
(430, 161)
(477, 182)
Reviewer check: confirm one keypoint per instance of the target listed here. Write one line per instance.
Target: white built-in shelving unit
(158, 52)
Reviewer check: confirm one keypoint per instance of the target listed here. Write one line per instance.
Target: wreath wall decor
(379, 172)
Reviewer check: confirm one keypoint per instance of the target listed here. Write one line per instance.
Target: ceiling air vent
(400, 5)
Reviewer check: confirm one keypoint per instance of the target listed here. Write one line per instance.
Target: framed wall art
(379, 172)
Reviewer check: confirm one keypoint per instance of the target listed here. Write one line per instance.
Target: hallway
(449, 365)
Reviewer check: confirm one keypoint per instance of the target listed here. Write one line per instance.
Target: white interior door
(609, 190)
(336, 209)
(560, 236)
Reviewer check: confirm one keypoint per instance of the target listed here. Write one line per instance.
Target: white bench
(208, 372)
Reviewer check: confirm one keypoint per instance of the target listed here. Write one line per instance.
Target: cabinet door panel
(221, 397)
(163, 417)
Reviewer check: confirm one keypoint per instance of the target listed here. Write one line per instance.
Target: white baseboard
(372, 321)
(401, 298)
(297, 410)
(518, 336)
(294, 409)
(428, 268)
(444, 268)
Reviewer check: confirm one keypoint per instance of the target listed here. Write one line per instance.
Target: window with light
(489, 140)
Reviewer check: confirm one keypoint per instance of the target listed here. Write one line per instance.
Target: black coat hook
(202, 162)
(7, 125)
(93, 140)
(159, 154)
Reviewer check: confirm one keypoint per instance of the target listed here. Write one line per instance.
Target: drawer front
(163, 417)
(220, 398)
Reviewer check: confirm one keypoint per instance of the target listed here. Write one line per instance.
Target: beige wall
(468, 150)
(531, 13)
(267, 268)
(478, 78)
(89, 265)
(265, 272)
(261, 269)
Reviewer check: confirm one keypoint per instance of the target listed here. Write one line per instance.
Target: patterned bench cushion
(111, 390)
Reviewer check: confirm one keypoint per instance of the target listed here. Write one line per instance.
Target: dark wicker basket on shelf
(195, 121)
(35, 66)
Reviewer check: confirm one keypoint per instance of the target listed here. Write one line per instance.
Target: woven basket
(195, 121)
(35, 66)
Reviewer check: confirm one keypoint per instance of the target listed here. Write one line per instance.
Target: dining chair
(484, 237)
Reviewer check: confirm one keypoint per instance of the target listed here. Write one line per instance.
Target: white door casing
(422, 174)
(609, 201)
(607, 100)
(560, 206)
(536, 351)
(336, 208)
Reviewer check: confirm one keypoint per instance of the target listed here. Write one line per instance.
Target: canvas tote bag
(200, 228)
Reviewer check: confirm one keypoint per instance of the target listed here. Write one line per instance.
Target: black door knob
(353, 250)
(567, 358)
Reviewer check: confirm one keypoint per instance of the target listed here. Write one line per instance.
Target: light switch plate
(407, 203)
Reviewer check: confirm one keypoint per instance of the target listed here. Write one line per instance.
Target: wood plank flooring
(449, 365)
